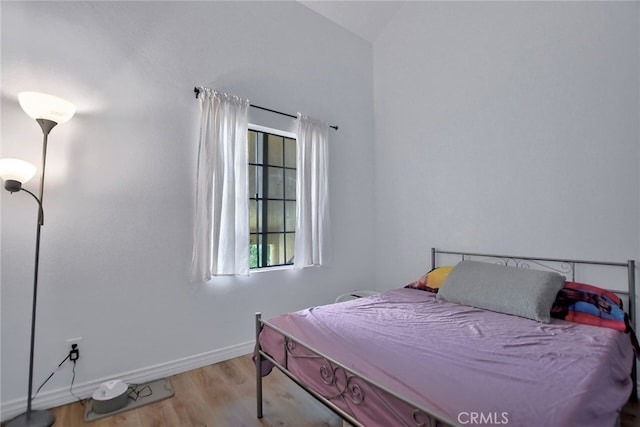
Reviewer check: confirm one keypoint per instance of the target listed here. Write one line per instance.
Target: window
(272, 198)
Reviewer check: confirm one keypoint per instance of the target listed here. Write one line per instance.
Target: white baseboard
(61, 396)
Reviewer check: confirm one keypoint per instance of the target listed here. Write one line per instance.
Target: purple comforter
(473, 366)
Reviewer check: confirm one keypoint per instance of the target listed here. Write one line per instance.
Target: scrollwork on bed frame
(342, 381)
(346, 385)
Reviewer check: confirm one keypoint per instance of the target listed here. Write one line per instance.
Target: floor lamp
(48, 111)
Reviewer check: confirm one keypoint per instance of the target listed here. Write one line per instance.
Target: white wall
(506, 127)
(116, 243)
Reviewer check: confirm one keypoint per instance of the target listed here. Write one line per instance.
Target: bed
(412, 358)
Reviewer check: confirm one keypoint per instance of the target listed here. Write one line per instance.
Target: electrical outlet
(74, 353)
(74, 348)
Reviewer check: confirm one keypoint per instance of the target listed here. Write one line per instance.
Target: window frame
(265, 200)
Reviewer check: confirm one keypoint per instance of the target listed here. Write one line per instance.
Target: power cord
(52, 374)
(135, 392)
(74, 355)
(73, 378)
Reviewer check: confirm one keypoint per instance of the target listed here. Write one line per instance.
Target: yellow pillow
(436, 277)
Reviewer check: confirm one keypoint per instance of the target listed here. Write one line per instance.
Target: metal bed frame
(353, 387)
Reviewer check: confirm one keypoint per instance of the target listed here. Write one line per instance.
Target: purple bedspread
(465, 363)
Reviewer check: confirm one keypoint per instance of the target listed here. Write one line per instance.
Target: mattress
(469, 365)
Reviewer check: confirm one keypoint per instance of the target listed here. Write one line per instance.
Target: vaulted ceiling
(367, 19)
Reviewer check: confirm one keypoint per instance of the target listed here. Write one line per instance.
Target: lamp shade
(43, 106)
(16, 170)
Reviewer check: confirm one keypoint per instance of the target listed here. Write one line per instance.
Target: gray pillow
(511, 290)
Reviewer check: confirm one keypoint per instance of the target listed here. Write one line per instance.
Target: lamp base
(35, 419)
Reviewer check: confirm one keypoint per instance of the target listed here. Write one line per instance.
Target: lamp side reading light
(15, 172)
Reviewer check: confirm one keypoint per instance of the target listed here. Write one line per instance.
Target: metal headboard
(564, 266)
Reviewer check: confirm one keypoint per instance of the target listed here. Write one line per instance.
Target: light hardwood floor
(223, 395)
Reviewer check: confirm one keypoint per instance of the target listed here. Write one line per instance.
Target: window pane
(276, 179)
(275, 212)
(254, 251)
(252, 142)
(290, 247)
(253, 184)
(290, 216)
(275, 244)
(275, 150)
(255, 216)
(290, 152)
(289, 184)
(260, 147)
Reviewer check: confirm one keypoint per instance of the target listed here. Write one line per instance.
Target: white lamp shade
(43, 106)
(16, 170)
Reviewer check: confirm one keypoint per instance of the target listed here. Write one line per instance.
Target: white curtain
(312, 201)
(221, 229)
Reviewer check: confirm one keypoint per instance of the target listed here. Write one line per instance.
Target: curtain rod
(335, 127)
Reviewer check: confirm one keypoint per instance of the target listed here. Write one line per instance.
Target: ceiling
(366, 19)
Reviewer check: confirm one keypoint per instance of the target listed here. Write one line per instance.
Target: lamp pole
(30, 417)
(37, 418)
(46, 126)
(35, 300)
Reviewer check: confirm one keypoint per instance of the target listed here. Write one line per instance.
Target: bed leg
(258, 362)
(634, 378)
(631, 273)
